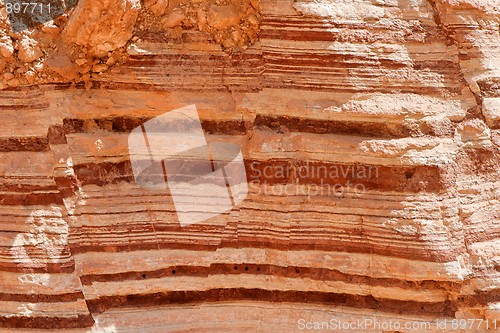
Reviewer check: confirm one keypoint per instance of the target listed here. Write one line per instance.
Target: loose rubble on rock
(93, 37)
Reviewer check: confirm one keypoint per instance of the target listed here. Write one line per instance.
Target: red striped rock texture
(370, 136)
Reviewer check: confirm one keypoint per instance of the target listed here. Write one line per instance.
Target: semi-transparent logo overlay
(171, 153)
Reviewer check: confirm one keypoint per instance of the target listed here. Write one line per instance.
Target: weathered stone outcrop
(370, 132)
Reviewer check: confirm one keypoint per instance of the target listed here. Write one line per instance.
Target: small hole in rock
(235, 267)
(246, 268)
(143, 276)
(173, 271)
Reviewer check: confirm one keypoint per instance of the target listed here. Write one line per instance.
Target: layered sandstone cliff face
(399, 97)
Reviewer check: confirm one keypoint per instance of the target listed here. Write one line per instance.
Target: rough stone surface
(399, 97)
(28, 51)
(102, 26)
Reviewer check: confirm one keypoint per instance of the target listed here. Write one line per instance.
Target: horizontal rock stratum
(370, 136)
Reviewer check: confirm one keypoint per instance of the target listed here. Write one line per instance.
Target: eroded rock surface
(370, 132)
